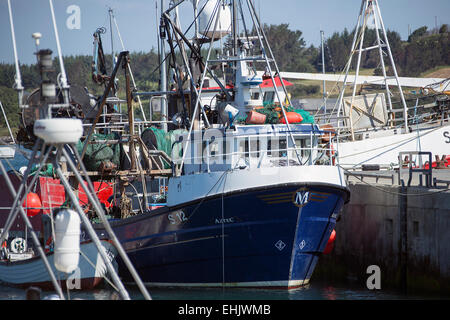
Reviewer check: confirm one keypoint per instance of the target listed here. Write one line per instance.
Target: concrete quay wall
(406, 236)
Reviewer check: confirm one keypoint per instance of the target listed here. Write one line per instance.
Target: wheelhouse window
(269, 96)
(255, 96)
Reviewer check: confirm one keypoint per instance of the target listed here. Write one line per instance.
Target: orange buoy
(330, 243)
(32, 204)
(293, 117)
(255, 118)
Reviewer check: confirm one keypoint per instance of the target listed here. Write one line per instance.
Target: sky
(136, 20)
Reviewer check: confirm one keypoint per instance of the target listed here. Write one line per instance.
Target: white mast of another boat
(323, 71)
(18, 79)
(162, 72)
(369, 7)
(63, 78)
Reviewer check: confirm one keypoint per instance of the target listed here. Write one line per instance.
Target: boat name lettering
(447, 135)
(177, 217)
(225, 220)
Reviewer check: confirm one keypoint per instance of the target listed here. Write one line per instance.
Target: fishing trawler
(248, 194)
(373, 129)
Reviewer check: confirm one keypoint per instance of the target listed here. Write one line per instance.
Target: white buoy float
(58, 130)
(67, 240)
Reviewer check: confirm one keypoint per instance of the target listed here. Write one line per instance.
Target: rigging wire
(176, 45)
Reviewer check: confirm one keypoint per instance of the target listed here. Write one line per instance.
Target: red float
(293, 117)
(32, 204)
(330, 244)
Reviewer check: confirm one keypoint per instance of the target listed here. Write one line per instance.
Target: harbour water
(317, 290)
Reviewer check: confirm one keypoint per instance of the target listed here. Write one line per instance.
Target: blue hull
(257, 238)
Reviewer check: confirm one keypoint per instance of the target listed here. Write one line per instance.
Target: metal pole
(323, 71)
(18, 200)
(341, 95)
(129, 68)
(112, 39)
(162, 76)
(130, 110)
(18, 84)
(262, 35)
(103, 101)
(7, 123)
(383, 66)
(394, 69)
(88, 225)
(197, 103)
(65, 86)
(89, 190)
(235, 29)
(195, 5)
(358, 63)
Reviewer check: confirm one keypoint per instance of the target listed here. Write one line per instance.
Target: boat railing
(120, 126)
(260, 151)
(420, 114)
(344, 131)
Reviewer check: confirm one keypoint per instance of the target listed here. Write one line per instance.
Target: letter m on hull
(301, 197)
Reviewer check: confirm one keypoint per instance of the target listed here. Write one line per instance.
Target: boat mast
(394, 69)
(63, 79)
(323, 71)
(371, 7)
(262, 36)
(235, 29)
(18, 80)
(129, 66)
(110, 12)
(162, 70)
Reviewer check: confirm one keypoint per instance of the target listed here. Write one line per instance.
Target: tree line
(423, 50)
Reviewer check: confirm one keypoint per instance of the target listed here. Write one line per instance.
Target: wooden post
(131, 144)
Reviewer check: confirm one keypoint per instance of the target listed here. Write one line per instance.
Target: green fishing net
(96, 153)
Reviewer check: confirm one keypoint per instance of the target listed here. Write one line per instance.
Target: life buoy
(18, 245)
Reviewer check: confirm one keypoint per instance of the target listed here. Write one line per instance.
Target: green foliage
(288, 48)
(417, 33)
(339, 46)
(9, 100)
(443, 28)
(424, 53)
(300, 90)
(424, 50)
